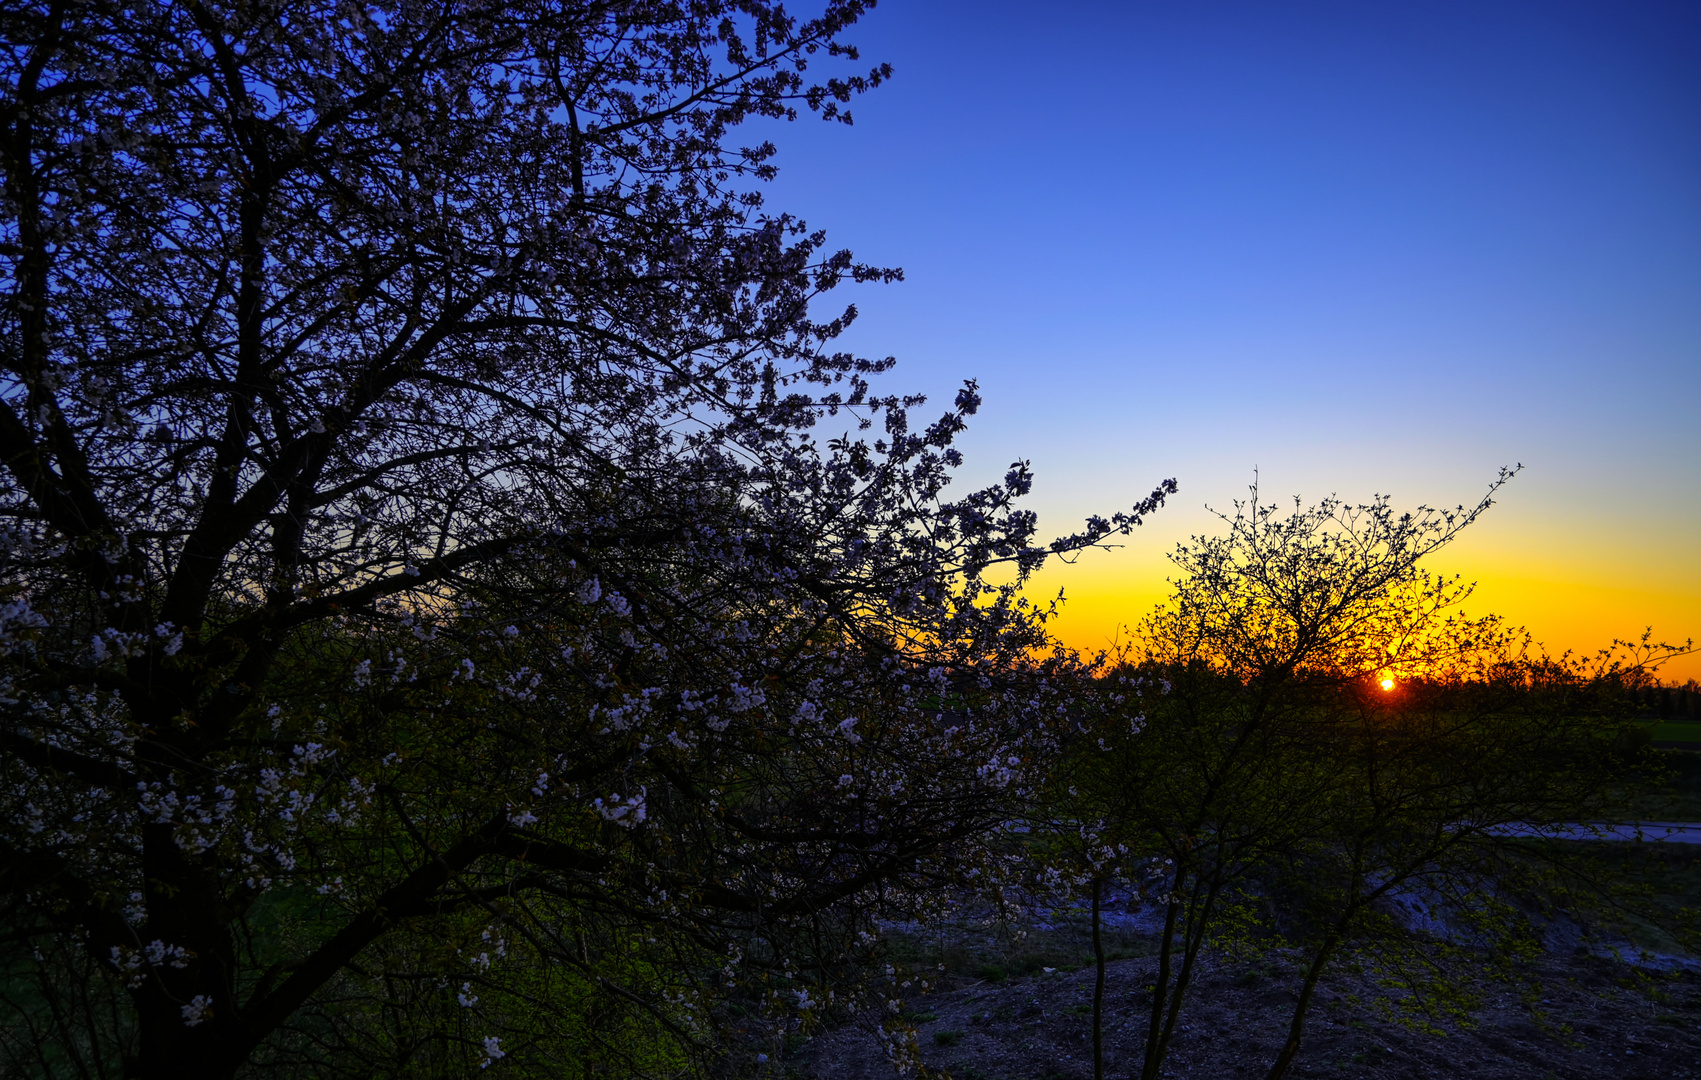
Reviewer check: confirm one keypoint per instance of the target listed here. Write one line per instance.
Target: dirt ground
(1596, 1018)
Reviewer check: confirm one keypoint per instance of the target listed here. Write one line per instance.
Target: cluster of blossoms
(132, 964)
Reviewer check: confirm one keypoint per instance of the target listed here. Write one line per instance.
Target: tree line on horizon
(461, 610)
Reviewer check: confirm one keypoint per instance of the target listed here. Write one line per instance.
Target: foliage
(434, 634)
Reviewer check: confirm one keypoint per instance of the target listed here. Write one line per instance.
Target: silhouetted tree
(428, 608)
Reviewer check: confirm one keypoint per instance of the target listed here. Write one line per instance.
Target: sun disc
(1387, 684)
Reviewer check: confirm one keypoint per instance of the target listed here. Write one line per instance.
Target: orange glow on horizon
(1581, 607)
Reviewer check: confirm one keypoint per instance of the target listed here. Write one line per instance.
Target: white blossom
(628, 812)
(172, 636)
(200, 1007)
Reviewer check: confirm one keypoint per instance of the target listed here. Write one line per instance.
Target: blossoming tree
(428, 603)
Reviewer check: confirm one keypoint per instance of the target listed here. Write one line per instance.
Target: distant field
(1678, 731)
(1676, 796)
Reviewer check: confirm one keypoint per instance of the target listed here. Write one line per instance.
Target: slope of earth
(1582, 1017)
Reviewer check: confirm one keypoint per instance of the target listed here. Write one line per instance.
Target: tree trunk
(1296, 1026)
(186, 908)
(171, 1050)
(1193, 936)
(1160, 991)
(1098, 986)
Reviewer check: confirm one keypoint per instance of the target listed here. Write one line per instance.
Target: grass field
(1688, 731)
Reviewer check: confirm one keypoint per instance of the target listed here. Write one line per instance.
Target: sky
(1341, 248)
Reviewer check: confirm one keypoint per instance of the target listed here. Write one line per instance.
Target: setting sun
(1387, 684)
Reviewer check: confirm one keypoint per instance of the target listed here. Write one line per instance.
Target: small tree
(1207, 753)
(1203, 776)
(1074, 852)
(1314, 717)
(433, 633)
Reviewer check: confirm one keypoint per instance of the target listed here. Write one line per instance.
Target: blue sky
(1361, 247)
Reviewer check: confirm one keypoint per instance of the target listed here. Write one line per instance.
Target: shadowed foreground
(1599, 1018)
